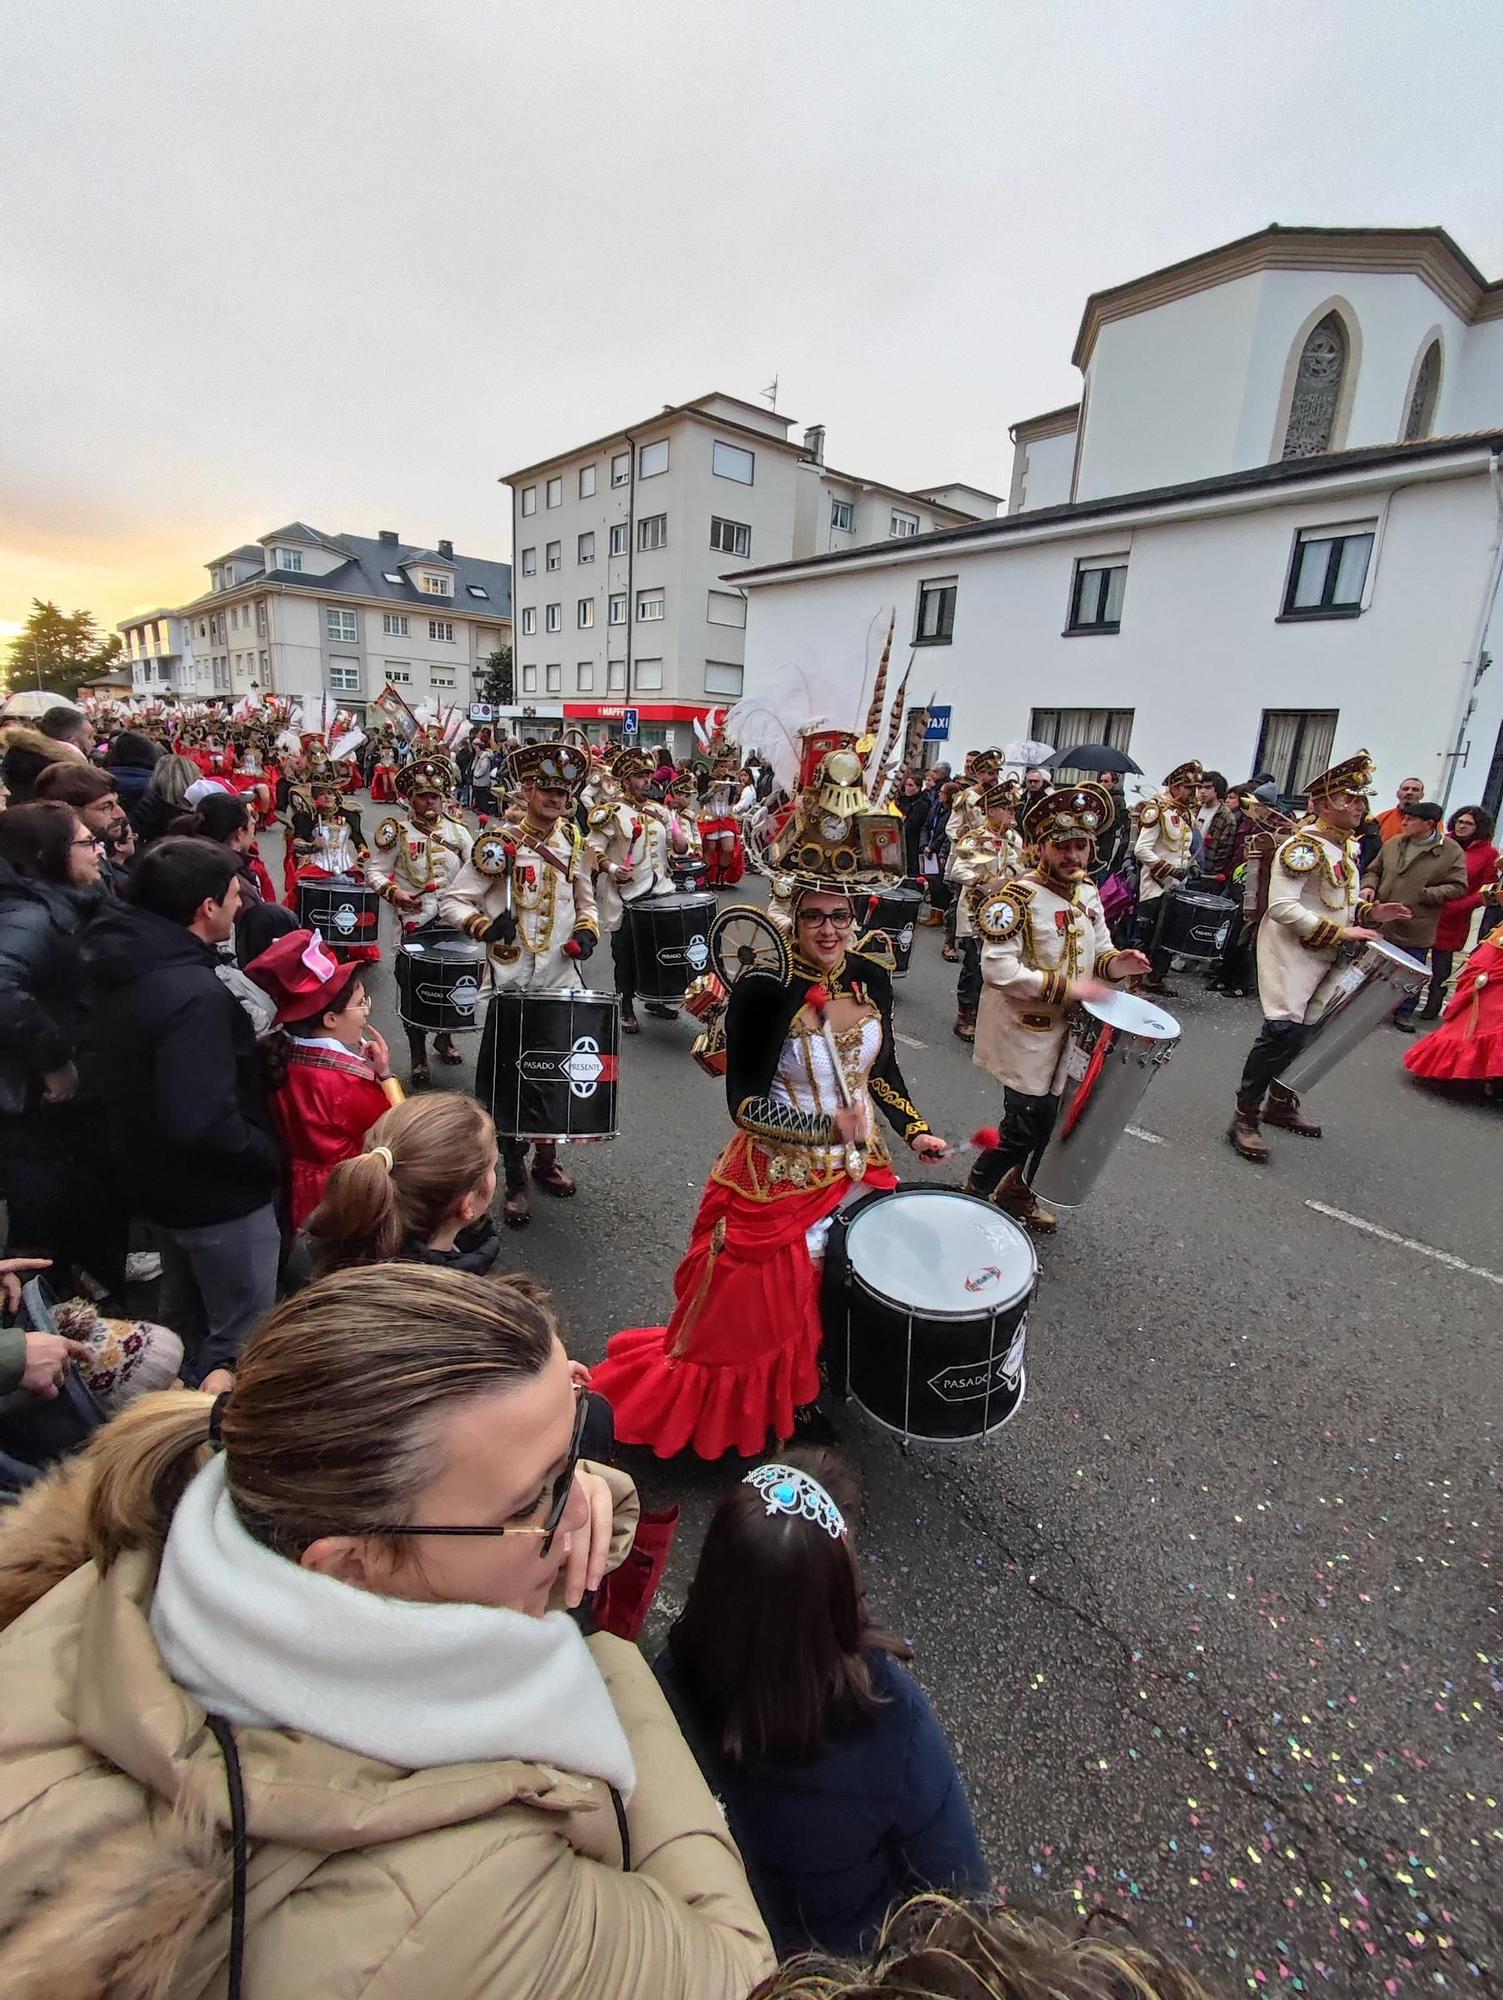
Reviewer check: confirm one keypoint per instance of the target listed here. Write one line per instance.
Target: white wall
(1042, 470)
(1200, 654)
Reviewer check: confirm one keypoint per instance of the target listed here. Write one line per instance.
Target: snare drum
(930, 1290)
(345, 911)
(1194, 924)
(689, 873)
(670, 936)
(440, 977)
(1351, 1004)
(549, 1064)
(1118, 1044)
(896, 912)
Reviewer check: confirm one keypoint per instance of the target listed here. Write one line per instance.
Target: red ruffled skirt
(1468, 1046)
(741, 1352)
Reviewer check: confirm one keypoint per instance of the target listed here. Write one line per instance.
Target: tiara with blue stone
(786, 1490)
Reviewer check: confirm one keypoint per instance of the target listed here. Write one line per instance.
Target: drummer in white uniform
(1044, 946)
(1315, 905)
(1164, 853)
(632, 841)
(413, 857)
(526, 893)
(988, 853)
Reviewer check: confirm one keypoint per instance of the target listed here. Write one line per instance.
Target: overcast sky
(351, 260)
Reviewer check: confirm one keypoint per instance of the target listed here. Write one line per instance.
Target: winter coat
(151, 816)
(180, 1073)
(1456, 918)
(41, 999)
(477, 1248)
(322, 1110)
(464, 1881)
(1425, 878)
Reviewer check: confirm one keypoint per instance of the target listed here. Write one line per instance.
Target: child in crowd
(338, 1078)
(836, 1779)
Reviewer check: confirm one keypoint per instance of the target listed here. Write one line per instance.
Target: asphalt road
(1212, 1623)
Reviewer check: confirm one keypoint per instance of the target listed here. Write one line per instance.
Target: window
(529, 500)
(732, 538)
(340, 625)
(1096, 595)
(555, 492)
(652, 459)
(1421, 417)
(1328, 572)
(263, 665)
(474, 590)
(584, 677)
(585, 613)
(554, 555)
(843, 516)
(393, 576)
(621, 468)
(1066, 727)
(441, 678)
(437, 586)
(935, 623)
(529, 620)
(260, 621)
(394, 624)
(202, 630)
(398, 676)
(344, 677)
(618, 539)
(1317, 390)
(587, 482)
(616, 608)
(529, 680)
(441, 629)
(722, 677)
(553, 618)
(903, 523)
(729, 461)
(529, 562)
(221, 673)
(587, 547)
(1296, 745)
(652, 531)
(726, 607)
(553, 680)
(649, 606)
(289, 559)
(648, 676)
(615, 677)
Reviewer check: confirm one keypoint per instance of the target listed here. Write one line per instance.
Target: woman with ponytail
(294, 1708)
(223, 817)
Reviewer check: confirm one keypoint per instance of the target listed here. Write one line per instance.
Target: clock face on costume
(1303, 855)
(833, 827)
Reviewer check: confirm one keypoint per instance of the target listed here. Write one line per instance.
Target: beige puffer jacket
(486, 1881)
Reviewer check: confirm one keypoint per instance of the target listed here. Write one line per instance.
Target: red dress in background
(1467, 1048)
(322, 1113)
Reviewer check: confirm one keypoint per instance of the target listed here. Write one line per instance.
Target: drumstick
(818, 1000)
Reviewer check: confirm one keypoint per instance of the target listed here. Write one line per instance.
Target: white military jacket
(977, 859)
(551, 898)
(1034, 940)
(634, 834)
(423, 860)
(1314, 890)
(1162, 849)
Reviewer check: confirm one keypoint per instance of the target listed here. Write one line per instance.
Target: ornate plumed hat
(550, 764)
(631, 763)
(1068, 811)
(1006, 792)
(986, 763)
(426, 774)
(1189, 773)
(1352, 774)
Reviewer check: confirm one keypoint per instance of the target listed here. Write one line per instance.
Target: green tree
(499, 687)
(58, 651)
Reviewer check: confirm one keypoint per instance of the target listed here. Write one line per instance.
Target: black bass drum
(1194, 924)
(441, 975)
(549, 1064)
(346, 913)
(926, 1298)
(895, 911)
(671, 939)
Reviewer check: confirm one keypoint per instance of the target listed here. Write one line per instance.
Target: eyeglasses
(95, 840)
(817, 919)
(562, 1487)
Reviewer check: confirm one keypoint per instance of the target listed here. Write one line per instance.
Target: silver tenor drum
(1117, 1046)
(1356, 999)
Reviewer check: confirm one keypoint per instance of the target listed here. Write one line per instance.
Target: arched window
(1426, 388)
(1317, 390)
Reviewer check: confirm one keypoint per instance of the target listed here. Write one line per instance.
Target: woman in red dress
(1467, 1048)
(740, 1357)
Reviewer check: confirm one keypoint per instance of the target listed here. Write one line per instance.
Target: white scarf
(272, 1645)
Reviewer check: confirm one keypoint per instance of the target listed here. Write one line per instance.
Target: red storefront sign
(650, 711)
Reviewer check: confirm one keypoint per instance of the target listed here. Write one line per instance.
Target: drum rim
(880, 1195)
(1174, 1033)
(911, 1437)
(1396, 955)
(702, 898)
(554, 993)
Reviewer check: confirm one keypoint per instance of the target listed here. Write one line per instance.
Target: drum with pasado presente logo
(344, 911)
(441, 975)
(549, 1063)
(1362, 994)
(1194, 924)
(926, 1298)
(1118, 1044)
(689, 872)
(895, 911)
(671, 939)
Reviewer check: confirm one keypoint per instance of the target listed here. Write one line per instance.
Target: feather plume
(874, 713)
(794, 699)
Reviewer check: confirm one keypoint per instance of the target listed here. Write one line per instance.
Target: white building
(626, 552)
(303, 613)
(1269, 532)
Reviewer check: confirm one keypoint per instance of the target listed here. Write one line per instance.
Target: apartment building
(626, 551)
(298, 612)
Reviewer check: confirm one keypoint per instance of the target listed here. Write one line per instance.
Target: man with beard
(416, 857)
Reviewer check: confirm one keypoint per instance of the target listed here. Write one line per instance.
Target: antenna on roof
(771, 392)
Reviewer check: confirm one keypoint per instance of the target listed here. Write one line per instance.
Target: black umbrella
(1095, 757)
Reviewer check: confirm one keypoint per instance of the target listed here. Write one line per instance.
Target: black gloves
(581, 945)
(502, 929)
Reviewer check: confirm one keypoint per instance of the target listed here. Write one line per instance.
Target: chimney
(814, 443)
(389, 535)
(446, 550)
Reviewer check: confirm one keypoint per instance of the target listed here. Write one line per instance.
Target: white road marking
(1137, 1132)
(1405, 1242)
(909, 1041)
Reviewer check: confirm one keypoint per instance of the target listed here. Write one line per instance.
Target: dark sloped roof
(299, 531)
(363, 575)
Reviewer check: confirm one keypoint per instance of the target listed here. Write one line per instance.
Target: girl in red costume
(1467, 1048)
(338, 1080)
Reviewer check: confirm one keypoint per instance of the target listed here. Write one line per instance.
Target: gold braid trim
(1364, 911)
(1324, 935)
(896, 1101)
(769, 1119)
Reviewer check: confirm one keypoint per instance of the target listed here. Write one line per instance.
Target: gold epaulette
(1001, 914)
(388, 833)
